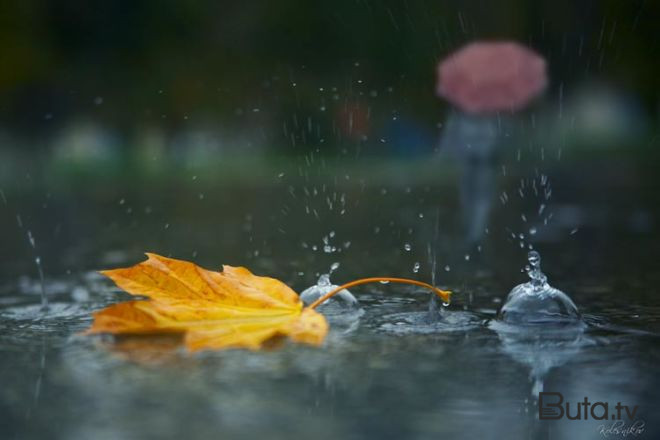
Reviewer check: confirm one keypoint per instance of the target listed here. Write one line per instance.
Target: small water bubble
(80, 294)
(334, 266)
(407, 247)
(331, 234)
(447, 268)
(122, 201)
(467, 257)
(384, 282)
(421, 215)
(416, 267)
(573, 231)
(98, 100)
(532, 231)
(167, 225)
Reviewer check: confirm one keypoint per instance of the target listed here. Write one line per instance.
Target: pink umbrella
(487, 77)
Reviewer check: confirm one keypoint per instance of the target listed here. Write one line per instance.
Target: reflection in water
(540, 348)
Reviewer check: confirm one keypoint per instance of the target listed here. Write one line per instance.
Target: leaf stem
(444, 294)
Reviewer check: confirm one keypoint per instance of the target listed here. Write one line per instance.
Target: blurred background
(291, 135)
(183, 125)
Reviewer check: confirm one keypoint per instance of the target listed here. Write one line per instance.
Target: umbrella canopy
(487, 77)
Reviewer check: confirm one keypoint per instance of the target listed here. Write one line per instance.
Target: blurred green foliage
(162, 61)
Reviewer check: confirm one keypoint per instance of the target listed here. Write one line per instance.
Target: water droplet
(31, 239)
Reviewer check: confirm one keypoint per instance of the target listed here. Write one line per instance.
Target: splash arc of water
(536, 301)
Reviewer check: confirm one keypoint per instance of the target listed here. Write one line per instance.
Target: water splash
(537, 302)
(538, 278)
(324, 285)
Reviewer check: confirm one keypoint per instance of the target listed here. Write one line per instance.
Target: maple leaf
(215, 310)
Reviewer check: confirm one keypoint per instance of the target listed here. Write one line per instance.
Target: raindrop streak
(40, 271)
(44, 300)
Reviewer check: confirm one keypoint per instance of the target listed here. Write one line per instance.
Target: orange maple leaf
(215, 310)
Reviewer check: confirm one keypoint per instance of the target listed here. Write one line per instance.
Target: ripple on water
(427, 323)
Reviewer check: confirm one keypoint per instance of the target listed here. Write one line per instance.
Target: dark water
(388, 373)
